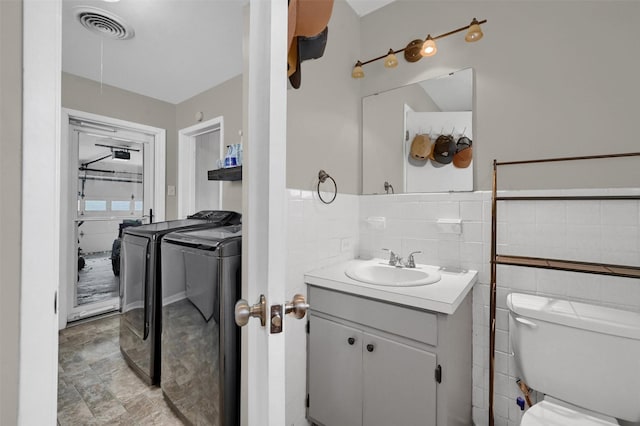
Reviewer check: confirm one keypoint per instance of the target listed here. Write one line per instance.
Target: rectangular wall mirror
(402, 126)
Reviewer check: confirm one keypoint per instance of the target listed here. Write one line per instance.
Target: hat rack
(417, 49)
(442, 132)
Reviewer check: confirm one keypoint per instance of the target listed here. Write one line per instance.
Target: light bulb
(357, 71)
(429, 47)
(474, 33)
(391, 61)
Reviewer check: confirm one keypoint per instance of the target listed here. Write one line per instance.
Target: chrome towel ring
(322, 177)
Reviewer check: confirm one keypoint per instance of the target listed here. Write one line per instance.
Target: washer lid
(575, 314)
(547, 413)
(226, 238)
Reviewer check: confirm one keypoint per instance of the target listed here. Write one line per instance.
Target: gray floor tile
(95, 385)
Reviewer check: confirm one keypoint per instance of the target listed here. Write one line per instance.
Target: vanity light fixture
(429, 47)
(417, 49)
(474, 33)
(391, 61)
(357, 71)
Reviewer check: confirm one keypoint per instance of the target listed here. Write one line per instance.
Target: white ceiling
(181, 47)
(364, 7)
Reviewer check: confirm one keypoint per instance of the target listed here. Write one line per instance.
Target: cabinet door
(399, 384)
(334, 373)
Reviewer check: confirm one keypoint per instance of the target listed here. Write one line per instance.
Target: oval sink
(382, 274)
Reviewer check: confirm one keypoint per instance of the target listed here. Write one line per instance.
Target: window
(138, 206)
(95, 205)
(120, 206)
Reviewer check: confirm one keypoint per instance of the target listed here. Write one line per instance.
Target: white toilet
(584, 358)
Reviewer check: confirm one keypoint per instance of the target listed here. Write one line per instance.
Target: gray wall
(223, 100)
(323, 117)
(10, 188)
(542, 90)
(86, 95)
(552, 79)
(382, 141)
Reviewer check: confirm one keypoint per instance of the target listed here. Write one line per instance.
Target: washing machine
(141, 288)
(200, 377)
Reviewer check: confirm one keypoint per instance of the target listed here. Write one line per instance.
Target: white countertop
(443, 296)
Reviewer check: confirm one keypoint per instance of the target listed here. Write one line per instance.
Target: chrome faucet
(411, 263)
(394, 259)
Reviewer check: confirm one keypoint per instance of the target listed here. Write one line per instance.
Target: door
(408, 379)
(334, 371)
(200, 147)
(264, 204)
(112, 176)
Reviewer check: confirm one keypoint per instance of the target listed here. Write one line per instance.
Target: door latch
(276, 319)
(297, 308)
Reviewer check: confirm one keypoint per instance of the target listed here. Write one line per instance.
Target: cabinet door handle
(351, 340)
(370, 347)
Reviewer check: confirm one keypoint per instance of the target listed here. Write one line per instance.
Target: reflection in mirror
(419, 137)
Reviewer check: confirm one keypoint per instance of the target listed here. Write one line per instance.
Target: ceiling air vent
(104, 23)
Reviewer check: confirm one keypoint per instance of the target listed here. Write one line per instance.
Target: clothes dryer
(200, 377)
(141, 287)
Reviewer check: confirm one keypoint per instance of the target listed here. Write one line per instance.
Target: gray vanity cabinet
(399, 383)
(372, 363)
(358, 378)
(335, 376)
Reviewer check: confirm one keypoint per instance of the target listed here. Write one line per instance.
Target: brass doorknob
(298, 306)
(244, 311)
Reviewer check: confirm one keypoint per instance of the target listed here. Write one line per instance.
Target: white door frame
(68, 267)
(263, 380)
(40, 251)
(187, 163)
(265, 208)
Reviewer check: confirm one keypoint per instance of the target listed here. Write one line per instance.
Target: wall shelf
(229, 174)
(570, 265)
(537, 262)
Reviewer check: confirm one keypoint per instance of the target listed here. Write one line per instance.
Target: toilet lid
(547, 413)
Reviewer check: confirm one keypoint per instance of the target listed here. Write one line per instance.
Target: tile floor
(95, 385)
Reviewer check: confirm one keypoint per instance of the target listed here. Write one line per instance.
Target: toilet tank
(584, 354)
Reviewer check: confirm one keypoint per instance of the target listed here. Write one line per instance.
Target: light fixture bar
(457, 30)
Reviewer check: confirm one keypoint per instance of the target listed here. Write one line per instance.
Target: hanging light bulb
(357, 70)
(429, 47)
(475, 32)
(391, 61)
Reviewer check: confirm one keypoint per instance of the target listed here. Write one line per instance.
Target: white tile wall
(411, 225)
(599, 231)
(318, 235)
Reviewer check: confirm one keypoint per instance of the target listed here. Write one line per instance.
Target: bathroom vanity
(389, 355)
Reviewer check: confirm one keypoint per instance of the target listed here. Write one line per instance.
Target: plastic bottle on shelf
(230, 160)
